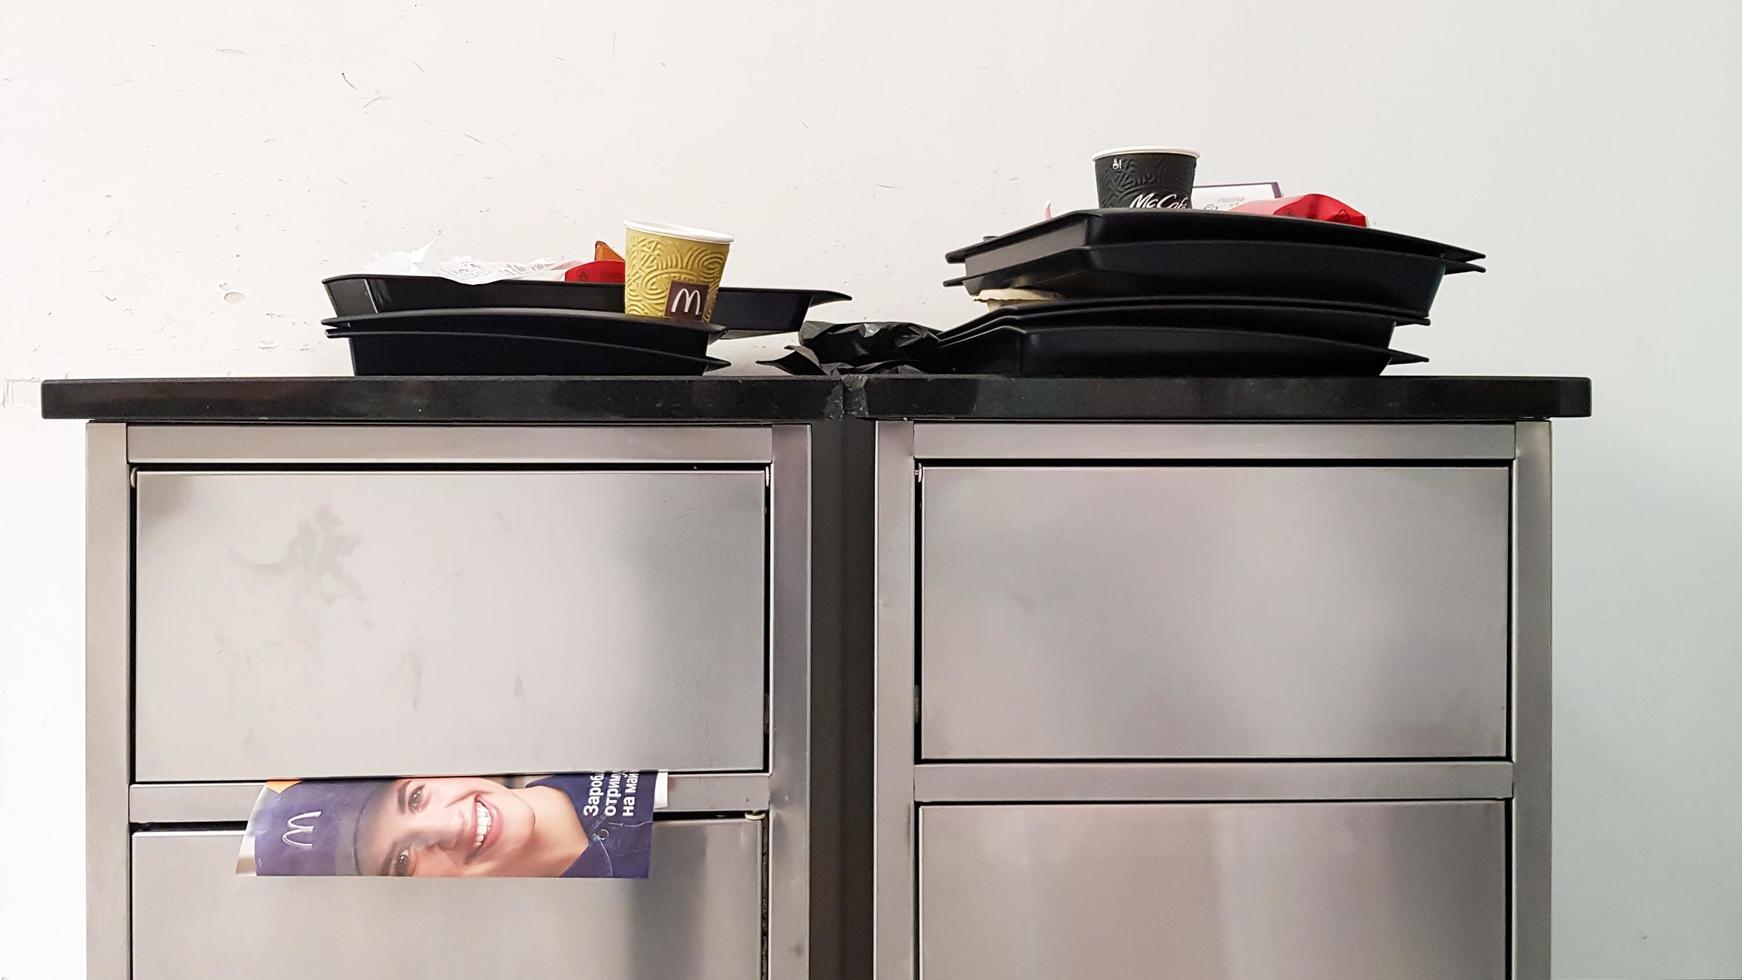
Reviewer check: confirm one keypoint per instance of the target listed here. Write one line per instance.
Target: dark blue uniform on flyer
(616, 808)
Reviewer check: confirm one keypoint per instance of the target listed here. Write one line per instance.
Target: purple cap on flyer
(309, 827)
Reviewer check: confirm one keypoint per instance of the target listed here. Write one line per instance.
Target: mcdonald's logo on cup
(686, 300)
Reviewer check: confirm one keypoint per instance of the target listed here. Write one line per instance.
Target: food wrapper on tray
(1317, 207)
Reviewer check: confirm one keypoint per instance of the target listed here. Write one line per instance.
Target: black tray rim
(712, 362)
(1399, 316)
(818, 296)
(961, 255)
(1397, 356)
(531, 312)
(1450, 267)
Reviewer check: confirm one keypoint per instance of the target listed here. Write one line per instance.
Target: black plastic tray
(740, 310)
(1123, 226)
(408, 352)
(1277, 271)
(1050, 307)
(593, 326)
(1370, 325)
(1159, 352)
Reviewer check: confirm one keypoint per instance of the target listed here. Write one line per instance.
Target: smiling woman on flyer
(589, 825)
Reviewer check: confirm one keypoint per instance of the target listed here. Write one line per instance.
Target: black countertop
(1399, 398)
(778, 399)
(406, 399)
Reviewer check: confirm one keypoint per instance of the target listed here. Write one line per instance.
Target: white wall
(156, 157)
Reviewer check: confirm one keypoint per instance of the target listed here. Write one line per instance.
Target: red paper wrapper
(600, 271)
(1318, 207)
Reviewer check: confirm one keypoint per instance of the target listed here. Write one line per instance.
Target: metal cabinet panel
(699, 916)
(400, 622)
(1213, 612)
(1309, 891)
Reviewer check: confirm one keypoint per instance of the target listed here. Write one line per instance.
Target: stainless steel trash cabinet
(283, 601)
(1221, 700)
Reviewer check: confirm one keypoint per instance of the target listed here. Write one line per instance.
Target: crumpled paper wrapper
(465, 268)
(1315, 207)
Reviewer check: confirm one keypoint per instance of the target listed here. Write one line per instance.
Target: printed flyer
(573, 825)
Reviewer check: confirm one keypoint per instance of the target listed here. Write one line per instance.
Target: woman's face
(447, 828)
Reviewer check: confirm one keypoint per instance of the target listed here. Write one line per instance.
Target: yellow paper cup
(673, 271)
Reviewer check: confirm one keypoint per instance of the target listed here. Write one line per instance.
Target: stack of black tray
(1180, 292)
(426, 325)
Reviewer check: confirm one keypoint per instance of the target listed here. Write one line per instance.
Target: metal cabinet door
(1214, 612)
(699, 916)
(1308, 891)
(380, 623)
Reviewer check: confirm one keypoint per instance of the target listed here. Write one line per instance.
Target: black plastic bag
(883, 347)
